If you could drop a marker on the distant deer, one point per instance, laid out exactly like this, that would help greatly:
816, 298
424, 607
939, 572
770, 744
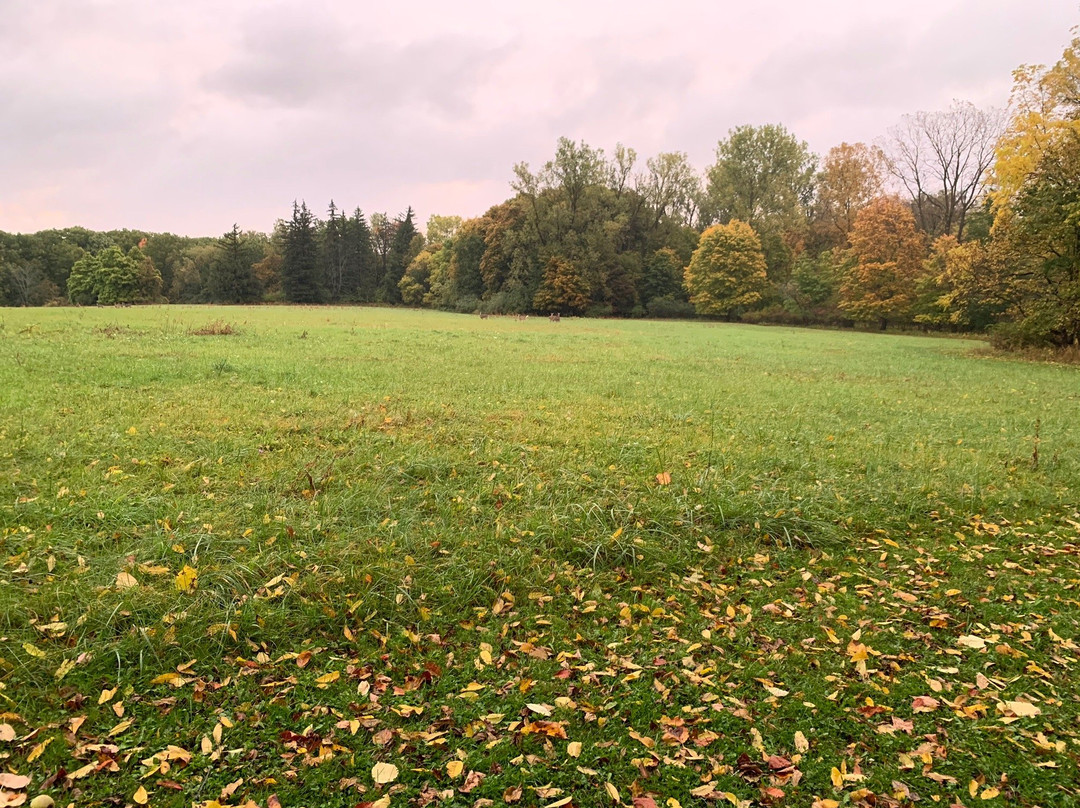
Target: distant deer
522, 317
484, 315
555, 317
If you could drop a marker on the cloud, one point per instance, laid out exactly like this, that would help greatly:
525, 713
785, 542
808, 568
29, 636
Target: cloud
295, 61
188, 117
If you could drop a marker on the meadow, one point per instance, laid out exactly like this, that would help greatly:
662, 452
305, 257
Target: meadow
284, 556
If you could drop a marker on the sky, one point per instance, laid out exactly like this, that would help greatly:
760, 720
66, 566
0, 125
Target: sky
188, 117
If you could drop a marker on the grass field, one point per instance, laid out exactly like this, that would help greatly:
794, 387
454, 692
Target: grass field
362, 556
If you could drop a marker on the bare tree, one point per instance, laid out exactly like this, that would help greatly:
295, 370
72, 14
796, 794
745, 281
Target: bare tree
941, 159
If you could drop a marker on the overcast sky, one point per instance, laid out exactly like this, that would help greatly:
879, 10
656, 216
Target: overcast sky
190, 116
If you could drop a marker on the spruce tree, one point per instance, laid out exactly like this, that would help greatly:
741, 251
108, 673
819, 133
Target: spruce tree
232, 278
300, 264
359, 259
400, 255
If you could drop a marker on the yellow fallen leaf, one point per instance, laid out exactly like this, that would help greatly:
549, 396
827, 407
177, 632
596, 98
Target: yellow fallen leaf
454, 769
801, 744
140, 796
327, 679
170, 678
971, 641
1023, 709
542, 709
38, 750
989, 794
612, 792
106, 696
125, 580
837, 778
120, 728
573, 749
33, 650
383, 773
187, 580
7, 733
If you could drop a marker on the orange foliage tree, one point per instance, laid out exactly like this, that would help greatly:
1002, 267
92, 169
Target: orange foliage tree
887, 255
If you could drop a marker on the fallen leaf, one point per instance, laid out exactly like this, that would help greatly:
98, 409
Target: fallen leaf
13, 782
472, 780
140, 796
573, 749
664, 478
801, 744
512, 795
1023, 709
125, 580
542, 709
612, 792
383, 773
187, 580
989, 794
971, 641
454, 769
924, 704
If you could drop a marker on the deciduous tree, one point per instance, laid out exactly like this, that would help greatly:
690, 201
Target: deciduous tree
727, 272
887, 253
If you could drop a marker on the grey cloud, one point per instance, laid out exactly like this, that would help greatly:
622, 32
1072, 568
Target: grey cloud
305, 63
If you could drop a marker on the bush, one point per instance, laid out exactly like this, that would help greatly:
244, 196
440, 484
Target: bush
1031, 332
670, 308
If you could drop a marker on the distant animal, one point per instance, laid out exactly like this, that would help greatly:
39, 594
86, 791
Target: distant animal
555, 317
523, 317
484, 315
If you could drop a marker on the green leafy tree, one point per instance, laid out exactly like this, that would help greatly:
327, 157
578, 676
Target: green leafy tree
764, 176
727, 272
112, 277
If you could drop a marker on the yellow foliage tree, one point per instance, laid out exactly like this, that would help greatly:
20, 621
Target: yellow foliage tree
727, 272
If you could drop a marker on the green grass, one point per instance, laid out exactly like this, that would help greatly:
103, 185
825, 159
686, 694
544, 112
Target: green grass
408, 526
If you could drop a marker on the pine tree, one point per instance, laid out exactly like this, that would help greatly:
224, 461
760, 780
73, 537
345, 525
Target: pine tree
300, 265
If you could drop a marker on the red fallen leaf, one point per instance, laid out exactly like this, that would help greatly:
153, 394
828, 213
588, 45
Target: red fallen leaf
175, 786
778, 763
771, 794
644, 802
870, 710
924, 704
564, 673
664, 478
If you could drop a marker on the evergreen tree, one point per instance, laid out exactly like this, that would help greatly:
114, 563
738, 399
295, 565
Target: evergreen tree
232, 278
360, 281
300, 264
334, 254
400, 256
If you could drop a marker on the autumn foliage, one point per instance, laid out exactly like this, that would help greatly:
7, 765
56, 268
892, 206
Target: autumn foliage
727, 271
887, 252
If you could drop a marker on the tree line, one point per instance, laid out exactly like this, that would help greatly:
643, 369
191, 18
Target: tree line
962, 219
